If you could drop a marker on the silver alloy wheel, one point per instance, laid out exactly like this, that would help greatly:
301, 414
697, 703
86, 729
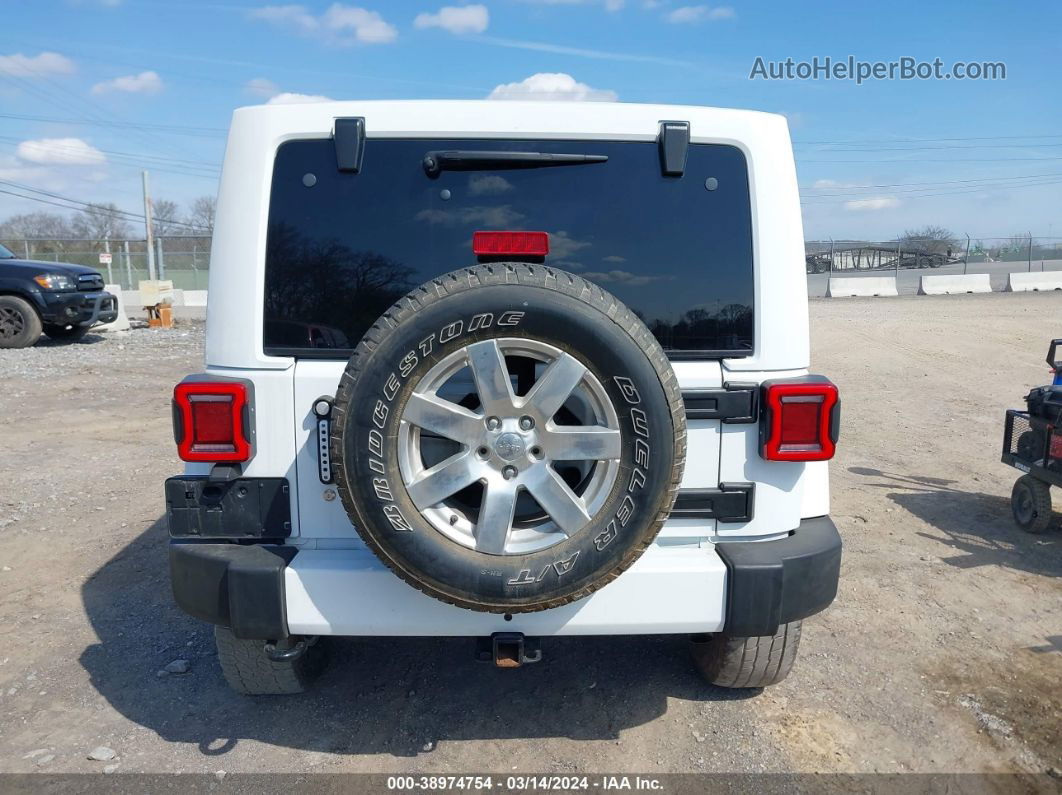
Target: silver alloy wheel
511, 445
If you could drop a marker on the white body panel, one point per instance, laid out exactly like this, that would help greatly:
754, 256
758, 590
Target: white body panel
335, 586
349, 592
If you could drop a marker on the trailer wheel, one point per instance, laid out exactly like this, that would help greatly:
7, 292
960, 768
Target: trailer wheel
1030, 502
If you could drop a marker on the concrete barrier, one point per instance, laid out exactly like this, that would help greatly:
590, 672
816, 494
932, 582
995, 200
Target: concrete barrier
867, 285
1030, 282
955, 284
121, 323
195, 297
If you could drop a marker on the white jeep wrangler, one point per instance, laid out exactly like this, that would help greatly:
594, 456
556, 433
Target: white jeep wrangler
505, 370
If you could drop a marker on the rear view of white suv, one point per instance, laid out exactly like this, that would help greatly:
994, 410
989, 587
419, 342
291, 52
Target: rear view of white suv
505, 371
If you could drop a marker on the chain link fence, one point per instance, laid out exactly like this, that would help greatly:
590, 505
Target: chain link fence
992, 255
183, 259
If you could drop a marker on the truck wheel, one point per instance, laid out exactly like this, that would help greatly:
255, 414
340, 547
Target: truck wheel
727, 661
20, 326
508, 438
1030, 502
65, 333
250, 672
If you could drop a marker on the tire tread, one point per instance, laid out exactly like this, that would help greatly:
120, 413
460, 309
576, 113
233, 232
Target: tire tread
748, 662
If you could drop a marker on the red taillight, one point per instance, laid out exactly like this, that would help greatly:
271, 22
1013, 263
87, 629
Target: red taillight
211, 421
800, 420
510, 244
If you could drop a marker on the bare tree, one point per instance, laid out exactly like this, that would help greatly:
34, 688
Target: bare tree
49, 229
202, 213
166, 217
929, 239
101, 222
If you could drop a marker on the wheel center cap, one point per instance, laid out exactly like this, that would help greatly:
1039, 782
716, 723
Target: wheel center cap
509, 446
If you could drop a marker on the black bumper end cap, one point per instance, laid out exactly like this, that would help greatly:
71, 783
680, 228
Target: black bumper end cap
775, 582
236, 586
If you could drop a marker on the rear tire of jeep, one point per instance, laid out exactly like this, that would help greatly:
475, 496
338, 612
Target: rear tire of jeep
20, 325
508, 438
250, 672
65, 333
754, 662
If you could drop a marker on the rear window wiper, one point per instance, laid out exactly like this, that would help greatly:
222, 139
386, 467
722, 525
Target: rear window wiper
458, 160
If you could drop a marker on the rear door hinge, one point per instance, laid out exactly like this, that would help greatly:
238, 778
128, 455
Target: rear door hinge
731, 502
733, 404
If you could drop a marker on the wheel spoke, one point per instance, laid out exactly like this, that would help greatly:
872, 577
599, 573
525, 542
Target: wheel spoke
557, 499
492, 377
581, 443
495, 518
432, 413
555, 385
444, 479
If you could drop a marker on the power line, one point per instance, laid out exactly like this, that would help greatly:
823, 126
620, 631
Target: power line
940, 182
198, 164
932, 160
162, 128
77, 204
928, 140
865, 197
930, 187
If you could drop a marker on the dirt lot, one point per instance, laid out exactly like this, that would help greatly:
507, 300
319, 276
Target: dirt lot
943, 651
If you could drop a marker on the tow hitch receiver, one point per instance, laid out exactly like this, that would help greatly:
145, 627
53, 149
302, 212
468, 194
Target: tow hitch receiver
508, 649
288, 649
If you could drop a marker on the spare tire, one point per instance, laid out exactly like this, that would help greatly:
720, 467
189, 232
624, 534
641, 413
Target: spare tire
508, 438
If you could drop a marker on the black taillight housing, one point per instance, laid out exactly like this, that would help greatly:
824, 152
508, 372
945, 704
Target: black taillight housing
213, 419
801, 419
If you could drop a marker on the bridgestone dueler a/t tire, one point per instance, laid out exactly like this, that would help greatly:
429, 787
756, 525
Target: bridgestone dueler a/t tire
727, 661
532, 302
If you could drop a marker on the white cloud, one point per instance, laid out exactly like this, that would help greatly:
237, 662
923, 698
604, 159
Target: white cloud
60, 151
610, 5
262, 87
552, 86
292, 15
143, 83
340, 24
289, 98
500, 217
874, 203
456, 19
622, 277
488, 185
46, 63
367, 27
563, 245
693, 14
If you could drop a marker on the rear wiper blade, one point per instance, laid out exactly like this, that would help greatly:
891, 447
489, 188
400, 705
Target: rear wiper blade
458, 160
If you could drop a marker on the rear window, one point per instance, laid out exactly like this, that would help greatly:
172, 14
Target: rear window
343, 247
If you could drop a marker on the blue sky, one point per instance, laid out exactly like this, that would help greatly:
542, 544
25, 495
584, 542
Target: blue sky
117, 85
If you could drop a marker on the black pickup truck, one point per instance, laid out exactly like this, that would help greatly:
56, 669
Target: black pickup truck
60, 300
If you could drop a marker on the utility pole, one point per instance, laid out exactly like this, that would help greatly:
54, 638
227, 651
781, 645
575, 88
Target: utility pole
149, 239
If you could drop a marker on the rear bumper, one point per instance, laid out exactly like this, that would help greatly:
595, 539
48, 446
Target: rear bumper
744, 588
775, 582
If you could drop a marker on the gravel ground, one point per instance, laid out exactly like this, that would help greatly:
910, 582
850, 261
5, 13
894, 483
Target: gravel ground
943, 652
